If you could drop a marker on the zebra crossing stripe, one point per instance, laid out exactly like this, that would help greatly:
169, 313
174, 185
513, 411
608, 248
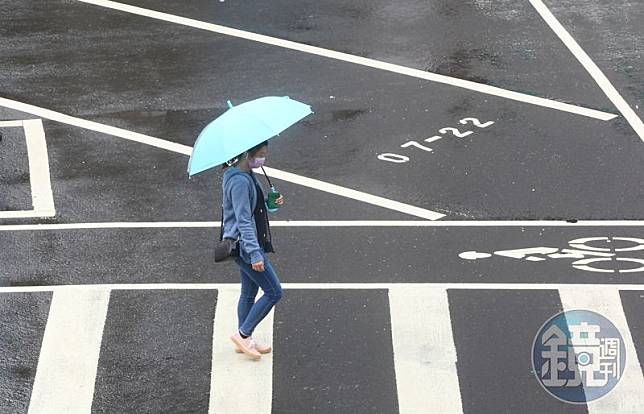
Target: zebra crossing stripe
237, 384
424, 352
66, 372
627, 397
422, 339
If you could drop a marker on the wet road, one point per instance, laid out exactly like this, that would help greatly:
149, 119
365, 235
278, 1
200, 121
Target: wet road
311, 254
355, 347
167, 81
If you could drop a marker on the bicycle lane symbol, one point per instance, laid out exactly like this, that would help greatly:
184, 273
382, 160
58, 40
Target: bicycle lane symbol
590, 253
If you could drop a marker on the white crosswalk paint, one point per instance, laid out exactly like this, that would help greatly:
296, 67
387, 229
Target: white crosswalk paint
627, 396
330, 285
71, 345
423, 344
424, 352
239, 384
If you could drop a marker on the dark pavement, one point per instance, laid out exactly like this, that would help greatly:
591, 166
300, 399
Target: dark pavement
303, 255
168, 81
334, 348
156, 343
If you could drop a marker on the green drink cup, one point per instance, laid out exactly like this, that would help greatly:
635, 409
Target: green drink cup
270, 203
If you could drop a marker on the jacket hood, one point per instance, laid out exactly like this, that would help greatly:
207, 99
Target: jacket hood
230, 172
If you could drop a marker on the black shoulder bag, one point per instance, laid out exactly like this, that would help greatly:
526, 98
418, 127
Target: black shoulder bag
225, 248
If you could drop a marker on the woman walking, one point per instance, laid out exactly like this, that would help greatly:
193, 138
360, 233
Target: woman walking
245, 216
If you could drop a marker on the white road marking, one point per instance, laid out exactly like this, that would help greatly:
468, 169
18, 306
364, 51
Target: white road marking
424, 352
69, 353
71, 344
345, 57
6, 124
186, 150
95, 126
325, 223
591, 68
326, 286
627, 396
353, 194
41, 193
239, 385
586, 256
16, 214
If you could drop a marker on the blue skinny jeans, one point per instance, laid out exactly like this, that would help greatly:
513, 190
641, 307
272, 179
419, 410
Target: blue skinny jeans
249, 312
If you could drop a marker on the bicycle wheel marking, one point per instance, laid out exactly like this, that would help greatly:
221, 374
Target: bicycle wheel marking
588, 253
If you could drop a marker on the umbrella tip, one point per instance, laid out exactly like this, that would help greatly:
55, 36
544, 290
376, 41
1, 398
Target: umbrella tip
230, 104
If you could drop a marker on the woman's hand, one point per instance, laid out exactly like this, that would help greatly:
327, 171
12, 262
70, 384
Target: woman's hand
280, 201
258, 267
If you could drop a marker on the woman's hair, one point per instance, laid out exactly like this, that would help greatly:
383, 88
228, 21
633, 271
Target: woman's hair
235, 160
257, 147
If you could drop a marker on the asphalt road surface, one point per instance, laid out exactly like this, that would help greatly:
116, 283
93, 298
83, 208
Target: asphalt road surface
466, 175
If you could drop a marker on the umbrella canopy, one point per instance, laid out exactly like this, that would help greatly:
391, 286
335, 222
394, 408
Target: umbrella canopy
242, 127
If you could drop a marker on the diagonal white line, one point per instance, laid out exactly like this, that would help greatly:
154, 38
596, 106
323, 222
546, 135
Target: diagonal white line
591, 68
186, 150
345, 57
354, 194
95, 126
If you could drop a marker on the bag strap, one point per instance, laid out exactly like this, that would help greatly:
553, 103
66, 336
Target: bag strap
268, 227
221, 227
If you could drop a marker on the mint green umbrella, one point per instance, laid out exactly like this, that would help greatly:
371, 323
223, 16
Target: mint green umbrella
242, 127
